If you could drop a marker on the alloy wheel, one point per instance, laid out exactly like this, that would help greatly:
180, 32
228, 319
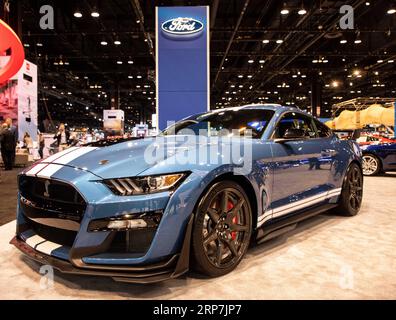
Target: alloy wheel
226, 228
370, 165
355, 185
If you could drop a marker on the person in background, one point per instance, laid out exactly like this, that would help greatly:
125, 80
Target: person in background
14, 133
41, 142
8, 146
28, 142
62, 137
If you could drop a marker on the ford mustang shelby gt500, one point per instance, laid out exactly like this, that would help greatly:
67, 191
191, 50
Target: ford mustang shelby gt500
106, 209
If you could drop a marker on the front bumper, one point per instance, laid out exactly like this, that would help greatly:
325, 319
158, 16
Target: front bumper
172, 267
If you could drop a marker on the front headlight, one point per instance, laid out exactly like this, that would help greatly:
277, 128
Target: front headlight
145, 185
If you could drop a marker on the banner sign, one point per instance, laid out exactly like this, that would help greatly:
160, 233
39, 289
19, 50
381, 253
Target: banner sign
182, 62
18, 99
113, 122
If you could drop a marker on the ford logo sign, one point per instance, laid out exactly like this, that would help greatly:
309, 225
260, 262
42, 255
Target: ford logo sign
182, 26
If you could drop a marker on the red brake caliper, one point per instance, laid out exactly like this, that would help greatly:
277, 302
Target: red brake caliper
234, 220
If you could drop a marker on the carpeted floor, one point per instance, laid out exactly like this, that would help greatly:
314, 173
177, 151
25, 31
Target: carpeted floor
326, 257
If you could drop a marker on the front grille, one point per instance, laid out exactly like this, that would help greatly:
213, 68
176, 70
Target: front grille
52, 209
52, 198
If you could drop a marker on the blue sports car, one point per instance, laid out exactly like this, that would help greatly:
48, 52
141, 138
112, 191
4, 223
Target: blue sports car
379, 158
194, 197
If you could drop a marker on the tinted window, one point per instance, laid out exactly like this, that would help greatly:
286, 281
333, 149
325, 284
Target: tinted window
323, 130
223, 123
295, 120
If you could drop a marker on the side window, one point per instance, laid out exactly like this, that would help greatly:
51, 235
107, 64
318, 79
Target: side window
295, 120
323, 130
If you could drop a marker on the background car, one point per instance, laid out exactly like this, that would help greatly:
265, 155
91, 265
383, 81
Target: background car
378, 158
106, 210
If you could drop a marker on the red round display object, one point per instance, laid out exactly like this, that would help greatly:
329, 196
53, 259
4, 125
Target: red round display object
10, 41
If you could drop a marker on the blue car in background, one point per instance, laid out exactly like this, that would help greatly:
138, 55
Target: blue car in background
194, 197
378, 158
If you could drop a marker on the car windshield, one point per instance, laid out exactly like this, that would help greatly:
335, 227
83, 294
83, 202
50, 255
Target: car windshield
223, 123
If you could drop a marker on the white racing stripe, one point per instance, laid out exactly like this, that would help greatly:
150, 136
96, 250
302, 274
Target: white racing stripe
59, 154
303, 203
47, 247
52, 164
74, 155
38, 167
49, 170
40, 244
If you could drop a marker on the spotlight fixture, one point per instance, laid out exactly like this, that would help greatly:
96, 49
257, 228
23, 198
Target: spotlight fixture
130, 62
117, 42
302, 10
284, 10
335, 84
343, 41
251, 61
279, 41
266, 41
262, 61
77, 14
103, 43
119, 62
95, 13
392, 9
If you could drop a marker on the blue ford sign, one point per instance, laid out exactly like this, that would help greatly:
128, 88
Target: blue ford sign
182, 26
182, 63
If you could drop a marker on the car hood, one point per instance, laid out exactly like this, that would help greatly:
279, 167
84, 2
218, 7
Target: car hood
130, 158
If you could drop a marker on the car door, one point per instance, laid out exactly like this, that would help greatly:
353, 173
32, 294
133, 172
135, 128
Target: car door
301, 166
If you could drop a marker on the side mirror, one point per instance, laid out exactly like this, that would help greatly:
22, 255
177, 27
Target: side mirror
292, 134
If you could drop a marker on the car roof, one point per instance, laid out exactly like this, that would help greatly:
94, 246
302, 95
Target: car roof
268, 106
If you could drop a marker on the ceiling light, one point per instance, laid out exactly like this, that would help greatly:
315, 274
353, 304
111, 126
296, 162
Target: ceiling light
380, 61
139, 77
302, 11
250, 61
391, 11
367, 3
284, 10
103, 43
335, 84
391, 61
26, 45
240, 76
266, 41
39, 44
279, 41
119, 62
77, 14
130, 77
358, 41
95, 14
343, 41
117, 42
130, 62
261, 61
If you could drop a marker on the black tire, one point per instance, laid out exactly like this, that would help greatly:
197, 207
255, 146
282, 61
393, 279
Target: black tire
371, 165
352, 192
222, 229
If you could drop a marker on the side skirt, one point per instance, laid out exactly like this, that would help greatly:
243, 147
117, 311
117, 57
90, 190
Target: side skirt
277, 226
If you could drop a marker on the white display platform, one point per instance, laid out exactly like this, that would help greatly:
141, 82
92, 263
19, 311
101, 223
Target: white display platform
326, 257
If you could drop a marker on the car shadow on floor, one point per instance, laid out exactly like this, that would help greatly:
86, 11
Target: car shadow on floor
87, 286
